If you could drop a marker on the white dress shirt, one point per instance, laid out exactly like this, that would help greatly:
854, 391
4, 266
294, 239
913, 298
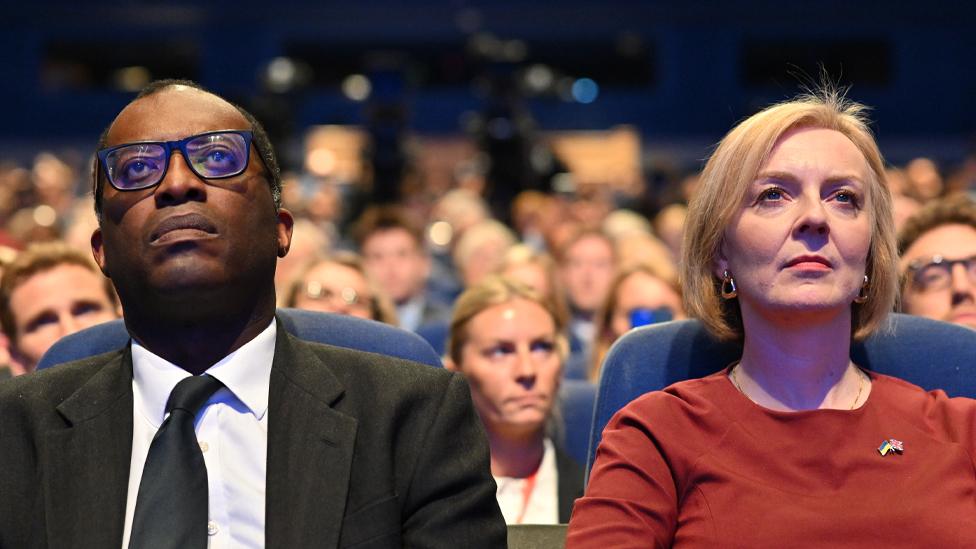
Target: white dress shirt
410, 315
542, 504
232, 429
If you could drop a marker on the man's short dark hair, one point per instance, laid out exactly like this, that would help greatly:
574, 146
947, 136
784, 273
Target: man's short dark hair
954, 210
37, 259
261, 141
385, 218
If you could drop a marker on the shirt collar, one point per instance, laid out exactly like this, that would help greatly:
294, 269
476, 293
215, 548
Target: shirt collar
246, 373
411, 313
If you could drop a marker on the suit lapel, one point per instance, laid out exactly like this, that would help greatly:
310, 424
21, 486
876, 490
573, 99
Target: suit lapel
87, 464
310, 449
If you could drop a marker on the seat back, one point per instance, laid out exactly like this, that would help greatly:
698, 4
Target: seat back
536, 536
928, 353
576, 398
332, 329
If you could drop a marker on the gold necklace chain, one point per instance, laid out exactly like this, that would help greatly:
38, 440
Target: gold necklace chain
860, 385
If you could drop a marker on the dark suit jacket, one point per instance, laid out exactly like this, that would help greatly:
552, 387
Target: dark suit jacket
363, 450
570, 484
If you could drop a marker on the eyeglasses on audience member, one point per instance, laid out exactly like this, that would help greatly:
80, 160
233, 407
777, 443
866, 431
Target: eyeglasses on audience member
348, 296
936, 275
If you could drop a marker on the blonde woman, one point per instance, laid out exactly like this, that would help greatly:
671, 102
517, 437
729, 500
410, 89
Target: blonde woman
790, 248
508, 342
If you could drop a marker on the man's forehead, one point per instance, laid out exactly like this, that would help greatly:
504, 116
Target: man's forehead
950, 240
174, 113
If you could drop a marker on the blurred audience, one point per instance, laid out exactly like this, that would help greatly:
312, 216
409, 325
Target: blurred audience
395, 257
669, 225
938, 261
506, 338
308, 241
644, 249
536, 270
639, 295
481, 250
339, 284
46, 293
923, 179
586, 268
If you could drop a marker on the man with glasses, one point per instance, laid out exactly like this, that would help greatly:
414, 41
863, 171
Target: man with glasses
938, 261
215, 427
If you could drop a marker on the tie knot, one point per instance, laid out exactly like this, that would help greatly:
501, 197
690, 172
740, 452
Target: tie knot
190, 393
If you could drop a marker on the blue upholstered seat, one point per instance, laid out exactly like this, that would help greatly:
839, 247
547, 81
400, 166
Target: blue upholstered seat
576, 398
928, 353
338, 330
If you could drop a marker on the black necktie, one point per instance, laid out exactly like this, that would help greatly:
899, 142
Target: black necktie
171, 509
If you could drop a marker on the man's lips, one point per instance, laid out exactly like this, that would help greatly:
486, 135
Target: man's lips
186, 226
809, 262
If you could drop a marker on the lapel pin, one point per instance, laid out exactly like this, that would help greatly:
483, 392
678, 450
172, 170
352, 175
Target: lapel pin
891, 445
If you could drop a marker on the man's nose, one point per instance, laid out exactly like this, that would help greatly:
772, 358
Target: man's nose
68, 323
963, 285
181, 184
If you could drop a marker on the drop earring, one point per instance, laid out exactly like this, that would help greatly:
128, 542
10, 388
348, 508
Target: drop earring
862, 294
729, 291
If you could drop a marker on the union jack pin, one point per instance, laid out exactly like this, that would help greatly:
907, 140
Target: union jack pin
891, 445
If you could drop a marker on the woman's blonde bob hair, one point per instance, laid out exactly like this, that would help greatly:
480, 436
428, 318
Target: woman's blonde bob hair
725, 180
496, 290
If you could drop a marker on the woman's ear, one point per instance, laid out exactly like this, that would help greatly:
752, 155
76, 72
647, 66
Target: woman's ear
721, 263
450, 365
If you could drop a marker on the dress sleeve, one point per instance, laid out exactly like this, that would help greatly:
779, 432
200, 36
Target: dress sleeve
631, 498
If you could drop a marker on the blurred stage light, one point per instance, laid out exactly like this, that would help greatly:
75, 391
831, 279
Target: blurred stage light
500, 128
280, 75
131, 79
440, 234
585, 90
357, 87
538, 78
45, 216
514, 51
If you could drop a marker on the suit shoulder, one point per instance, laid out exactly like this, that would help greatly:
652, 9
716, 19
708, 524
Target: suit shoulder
356, 368
54, 384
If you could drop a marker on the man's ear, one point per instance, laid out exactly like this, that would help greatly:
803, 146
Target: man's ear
98, 250
286, 222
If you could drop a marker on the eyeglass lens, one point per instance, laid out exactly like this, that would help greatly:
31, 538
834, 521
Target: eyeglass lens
210, 156
937, 275
349, 296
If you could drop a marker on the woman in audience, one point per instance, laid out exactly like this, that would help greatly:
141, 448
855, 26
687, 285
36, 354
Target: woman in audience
508, 342
338, 284
639, 295
790, 249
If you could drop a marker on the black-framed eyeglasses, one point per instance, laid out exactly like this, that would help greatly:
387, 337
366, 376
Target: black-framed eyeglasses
210, 155
936, 274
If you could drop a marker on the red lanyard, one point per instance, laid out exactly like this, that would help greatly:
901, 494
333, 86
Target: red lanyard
527, 489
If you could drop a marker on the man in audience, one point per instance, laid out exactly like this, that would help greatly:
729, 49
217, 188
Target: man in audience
341, 447
938, 261
48, 292
395, 257
587, 266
